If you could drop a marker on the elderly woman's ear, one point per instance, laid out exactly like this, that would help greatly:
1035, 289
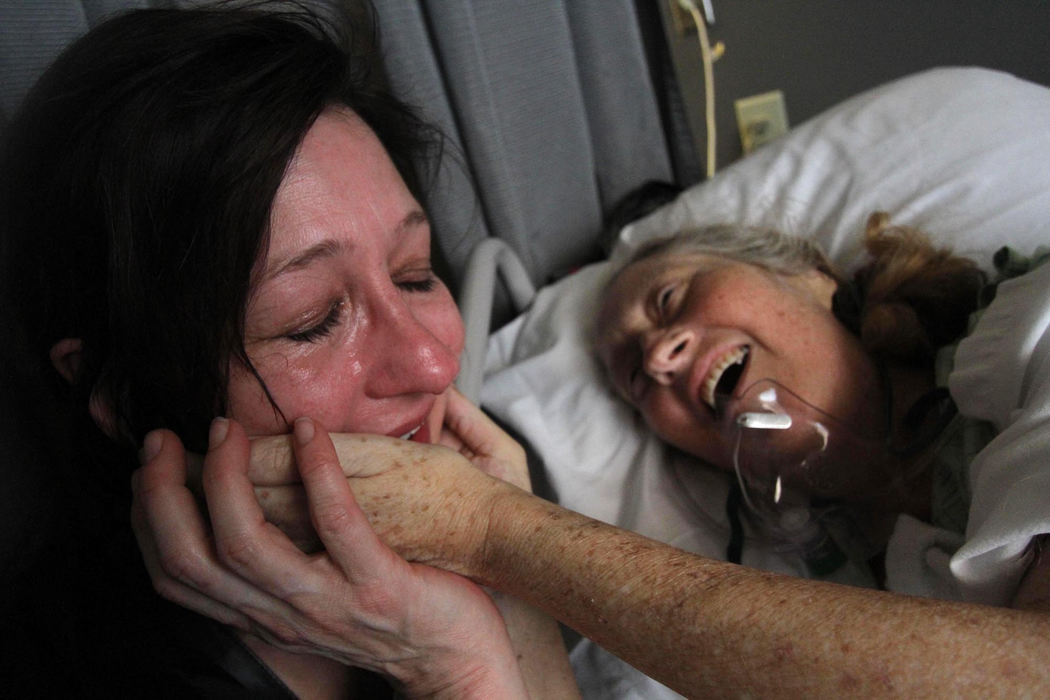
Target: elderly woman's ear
820, 284
66, 357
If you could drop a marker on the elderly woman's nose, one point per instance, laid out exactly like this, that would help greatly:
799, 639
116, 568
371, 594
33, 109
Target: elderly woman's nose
667, 353
412, 358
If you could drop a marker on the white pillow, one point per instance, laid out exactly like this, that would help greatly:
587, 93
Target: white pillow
961, 153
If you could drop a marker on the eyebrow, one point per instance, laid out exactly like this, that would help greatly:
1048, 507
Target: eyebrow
414, 218
324, 249
329, 248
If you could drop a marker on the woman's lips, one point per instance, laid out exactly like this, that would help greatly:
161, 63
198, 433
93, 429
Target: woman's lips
424, 426
414, 429
419, 433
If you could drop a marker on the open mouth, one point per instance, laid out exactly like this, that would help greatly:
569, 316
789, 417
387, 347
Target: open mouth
721, 381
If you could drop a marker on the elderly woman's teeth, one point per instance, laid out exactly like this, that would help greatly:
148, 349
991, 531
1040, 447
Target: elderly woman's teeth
733, 362
410, 433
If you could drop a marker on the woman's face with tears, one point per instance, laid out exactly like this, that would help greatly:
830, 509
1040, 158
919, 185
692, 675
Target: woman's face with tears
346, 321
681, 334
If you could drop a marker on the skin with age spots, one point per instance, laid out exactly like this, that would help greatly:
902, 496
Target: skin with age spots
669, 322
702, 626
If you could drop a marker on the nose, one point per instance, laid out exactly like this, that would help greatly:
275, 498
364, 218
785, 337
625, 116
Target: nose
667, 354
411, 357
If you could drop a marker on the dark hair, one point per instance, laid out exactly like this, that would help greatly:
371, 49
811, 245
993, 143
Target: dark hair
138, 180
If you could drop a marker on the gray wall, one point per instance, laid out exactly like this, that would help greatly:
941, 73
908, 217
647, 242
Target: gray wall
819, 52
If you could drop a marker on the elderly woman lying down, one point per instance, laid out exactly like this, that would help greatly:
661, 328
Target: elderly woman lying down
828, 398
758, 358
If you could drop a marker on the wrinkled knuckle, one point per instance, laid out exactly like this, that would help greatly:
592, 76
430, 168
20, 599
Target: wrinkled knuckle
167, 588
149, 492
213, 479
240, 551
332, 519
379, 601
180, 566
318, 464
286, 636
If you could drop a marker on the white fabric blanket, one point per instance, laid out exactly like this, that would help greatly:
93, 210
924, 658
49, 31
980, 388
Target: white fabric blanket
1002, 375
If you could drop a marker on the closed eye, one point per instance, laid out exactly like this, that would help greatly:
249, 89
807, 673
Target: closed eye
322, 329
418, 286
663, 301
416, 278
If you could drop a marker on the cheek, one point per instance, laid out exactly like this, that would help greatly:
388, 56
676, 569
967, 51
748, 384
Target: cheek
247, 403
325, 385
699, 436
849, 385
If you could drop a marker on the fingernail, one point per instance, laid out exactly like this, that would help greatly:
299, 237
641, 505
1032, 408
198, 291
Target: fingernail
150, 446
304, 430
217, 433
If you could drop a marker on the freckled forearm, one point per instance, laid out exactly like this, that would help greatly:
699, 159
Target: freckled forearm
699, 625
613, 586
707, 627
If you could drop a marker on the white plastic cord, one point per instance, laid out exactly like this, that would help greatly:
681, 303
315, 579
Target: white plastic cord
489, 256
707, 59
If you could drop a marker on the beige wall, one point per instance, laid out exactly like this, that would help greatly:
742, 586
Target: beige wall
819, 52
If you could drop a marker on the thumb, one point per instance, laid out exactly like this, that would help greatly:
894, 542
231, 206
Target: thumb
483, 442
467, 428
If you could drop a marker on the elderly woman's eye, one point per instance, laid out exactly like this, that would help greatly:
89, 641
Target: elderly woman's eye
663, 299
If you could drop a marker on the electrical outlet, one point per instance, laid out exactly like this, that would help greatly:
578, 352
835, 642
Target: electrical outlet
761, 118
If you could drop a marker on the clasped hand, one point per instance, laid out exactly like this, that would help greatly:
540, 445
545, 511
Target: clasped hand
357, 600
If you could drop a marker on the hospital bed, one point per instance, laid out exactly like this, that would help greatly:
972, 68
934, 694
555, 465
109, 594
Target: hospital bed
555, 111
960, 153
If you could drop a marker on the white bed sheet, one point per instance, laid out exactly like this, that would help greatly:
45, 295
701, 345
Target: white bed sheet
962, 153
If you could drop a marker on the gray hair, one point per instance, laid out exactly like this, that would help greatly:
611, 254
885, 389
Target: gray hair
754, 245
